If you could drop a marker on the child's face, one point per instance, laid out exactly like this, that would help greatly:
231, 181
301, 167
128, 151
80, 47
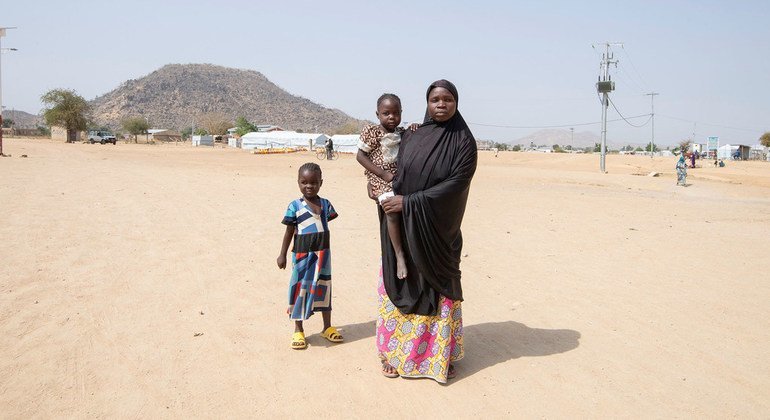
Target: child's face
309, 183
389, 113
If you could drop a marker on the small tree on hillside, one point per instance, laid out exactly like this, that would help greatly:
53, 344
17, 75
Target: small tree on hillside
136, 126
243, 126
765, 139
216, 123
67, 109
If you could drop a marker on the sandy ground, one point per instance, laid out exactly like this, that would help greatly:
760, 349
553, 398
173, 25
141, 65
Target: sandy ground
587, 294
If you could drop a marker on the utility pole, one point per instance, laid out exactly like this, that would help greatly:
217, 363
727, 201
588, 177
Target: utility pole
652, 96
2, 34
572, 139
605, 85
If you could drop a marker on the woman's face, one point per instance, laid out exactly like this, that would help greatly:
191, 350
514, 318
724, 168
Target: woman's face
441, 104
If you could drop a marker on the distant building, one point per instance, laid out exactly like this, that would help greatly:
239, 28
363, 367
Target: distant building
60, 133
159, 134
484, 144
266, 128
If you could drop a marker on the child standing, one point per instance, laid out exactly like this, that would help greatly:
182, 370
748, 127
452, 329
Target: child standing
377, 152
306, 221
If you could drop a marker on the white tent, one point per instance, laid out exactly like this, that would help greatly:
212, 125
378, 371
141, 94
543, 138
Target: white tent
346, 143
729, 151
280, 139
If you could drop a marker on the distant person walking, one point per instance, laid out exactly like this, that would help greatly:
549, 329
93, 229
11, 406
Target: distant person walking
681, 171
329, 148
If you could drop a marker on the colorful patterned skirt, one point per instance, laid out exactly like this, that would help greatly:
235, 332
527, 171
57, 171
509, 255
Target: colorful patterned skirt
419, 346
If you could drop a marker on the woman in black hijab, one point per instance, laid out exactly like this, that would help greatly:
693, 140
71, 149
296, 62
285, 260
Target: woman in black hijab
419, 330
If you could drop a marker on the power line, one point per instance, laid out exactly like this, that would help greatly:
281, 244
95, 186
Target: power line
622, 47
753, 130
624, 118
554, 126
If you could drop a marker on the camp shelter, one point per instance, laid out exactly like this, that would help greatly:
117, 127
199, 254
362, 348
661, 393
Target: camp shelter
202, 140
734, 151
280, 139
160, 134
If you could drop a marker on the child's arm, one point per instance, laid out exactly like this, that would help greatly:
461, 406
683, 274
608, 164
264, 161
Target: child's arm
363, 158
287, 236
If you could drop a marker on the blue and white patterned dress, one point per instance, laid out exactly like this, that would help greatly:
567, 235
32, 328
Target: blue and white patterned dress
311, 275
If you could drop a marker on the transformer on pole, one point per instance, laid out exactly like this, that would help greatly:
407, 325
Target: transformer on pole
605, 85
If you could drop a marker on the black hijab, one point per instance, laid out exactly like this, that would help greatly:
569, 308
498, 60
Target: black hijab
435, 167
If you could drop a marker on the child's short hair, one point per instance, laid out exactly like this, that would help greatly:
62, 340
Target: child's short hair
312, 167
391, 96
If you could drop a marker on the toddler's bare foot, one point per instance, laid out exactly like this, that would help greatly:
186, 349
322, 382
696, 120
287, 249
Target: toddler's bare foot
401, 266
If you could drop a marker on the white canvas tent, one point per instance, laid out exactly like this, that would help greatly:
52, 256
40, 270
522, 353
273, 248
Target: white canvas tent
280, 139
345, 143
728, 151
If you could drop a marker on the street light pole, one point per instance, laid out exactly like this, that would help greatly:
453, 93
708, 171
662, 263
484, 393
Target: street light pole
652, 116
2, 34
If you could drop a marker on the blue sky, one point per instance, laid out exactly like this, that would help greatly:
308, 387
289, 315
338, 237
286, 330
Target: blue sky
516, 64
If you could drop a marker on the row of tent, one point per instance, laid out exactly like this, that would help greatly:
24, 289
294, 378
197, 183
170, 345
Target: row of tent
345, 143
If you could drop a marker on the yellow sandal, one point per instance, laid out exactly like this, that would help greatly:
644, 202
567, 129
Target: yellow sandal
298, 341
332, 335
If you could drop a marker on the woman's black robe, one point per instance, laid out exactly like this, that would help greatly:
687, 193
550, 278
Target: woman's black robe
435, 168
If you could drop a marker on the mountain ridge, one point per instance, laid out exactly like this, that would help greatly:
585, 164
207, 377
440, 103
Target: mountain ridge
176, 96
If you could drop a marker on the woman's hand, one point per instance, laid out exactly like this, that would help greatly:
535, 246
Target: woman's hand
414, 126
370, 191
393, 204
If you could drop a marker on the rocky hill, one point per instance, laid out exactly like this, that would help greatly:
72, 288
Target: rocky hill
22, 119
176, 94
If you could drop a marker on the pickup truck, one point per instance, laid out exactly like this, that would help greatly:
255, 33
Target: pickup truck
101, 137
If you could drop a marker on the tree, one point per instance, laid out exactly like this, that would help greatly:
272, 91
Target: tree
501, 146
67, 109
654, 147
597, 147
684, 145
516, 148
557, 149
243, 126
765, 139
135, 126
8, 123
216, 123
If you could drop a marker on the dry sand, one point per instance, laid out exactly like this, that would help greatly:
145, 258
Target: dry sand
587, 294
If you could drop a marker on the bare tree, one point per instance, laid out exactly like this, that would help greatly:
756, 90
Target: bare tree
216, 123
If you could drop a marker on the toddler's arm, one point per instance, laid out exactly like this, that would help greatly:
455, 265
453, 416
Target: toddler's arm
363, 158
287, 236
